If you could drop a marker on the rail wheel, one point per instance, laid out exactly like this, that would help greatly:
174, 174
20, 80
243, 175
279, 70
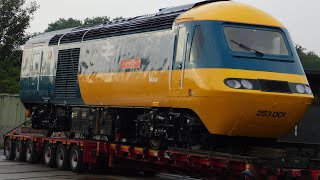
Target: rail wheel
9, 149
20, 151
76, 159
157, 142
49, 158
31, 152
62, 157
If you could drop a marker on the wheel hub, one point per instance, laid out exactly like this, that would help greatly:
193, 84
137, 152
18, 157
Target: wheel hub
74, 160
60, 157
48, 155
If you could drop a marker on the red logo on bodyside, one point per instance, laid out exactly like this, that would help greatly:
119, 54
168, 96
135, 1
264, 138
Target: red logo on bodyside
130, 64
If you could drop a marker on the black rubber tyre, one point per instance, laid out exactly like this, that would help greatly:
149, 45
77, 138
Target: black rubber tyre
9, 152
62, 157
20, 151
49, 155
76, 159
31, 152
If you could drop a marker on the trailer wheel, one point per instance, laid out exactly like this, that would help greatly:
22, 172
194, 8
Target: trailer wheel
20, 151
76, 159
62, 157
9, 149
49, 158
31, 152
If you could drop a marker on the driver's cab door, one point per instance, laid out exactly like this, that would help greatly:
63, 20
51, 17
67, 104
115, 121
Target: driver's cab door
178, 61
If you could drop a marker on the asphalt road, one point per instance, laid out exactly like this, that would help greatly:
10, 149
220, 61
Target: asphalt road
10, 170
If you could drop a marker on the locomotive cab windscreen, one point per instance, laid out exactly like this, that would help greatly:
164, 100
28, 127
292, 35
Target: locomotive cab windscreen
262, 42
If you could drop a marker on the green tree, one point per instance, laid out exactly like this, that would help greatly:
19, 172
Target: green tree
118, 18
310, 60
96, 20
15, 16
10, 73
71, 23
63, 24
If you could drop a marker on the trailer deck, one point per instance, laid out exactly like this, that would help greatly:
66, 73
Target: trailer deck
203, 164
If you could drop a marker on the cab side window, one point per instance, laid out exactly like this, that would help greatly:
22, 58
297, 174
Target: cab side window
197, 45
180, 48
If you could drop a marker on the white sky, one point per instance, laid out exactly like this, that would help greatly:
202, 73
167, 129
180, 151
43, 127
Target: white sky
300, 17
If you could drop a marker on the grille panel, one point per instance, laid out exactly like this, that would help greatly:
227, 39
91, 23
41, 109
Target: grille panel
275, 86
67, 73
55, 40
72, 37
136, 25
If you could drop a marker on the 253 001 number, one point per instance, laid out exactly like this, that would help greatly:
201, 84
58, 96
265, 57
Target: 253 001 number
271, 114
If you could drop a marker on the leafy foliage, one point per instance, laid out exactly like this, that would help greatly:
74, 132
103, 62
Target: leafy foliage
10, 73
71, 23
118, 18
14, 20
310, 60
15, 16
63, 24
96, 20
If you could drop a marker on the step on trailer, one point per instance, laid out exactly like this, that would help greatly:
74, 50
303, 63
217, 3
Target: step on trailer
79, 155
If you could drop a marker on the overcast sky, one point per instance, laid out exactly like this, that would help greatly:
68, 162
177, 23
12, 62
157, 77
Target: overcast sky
300, 17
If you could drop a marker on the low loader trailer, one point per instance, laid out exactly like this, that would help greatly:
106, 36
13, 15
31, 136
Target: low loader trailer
80, 155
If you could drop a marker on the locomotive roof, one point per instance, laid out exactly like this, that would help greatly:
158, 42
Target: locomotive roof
164, 19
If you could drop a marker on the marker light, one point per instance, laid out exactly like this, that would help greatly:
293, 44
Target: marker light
234, 84
246, 84
308, 89
300, 88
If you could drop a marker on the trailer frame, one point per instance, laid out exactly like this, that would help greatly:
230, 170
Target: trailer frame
195, 164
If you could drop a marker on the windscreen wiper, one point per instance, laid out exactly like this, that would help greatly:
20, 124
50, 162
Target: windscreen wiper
258, 53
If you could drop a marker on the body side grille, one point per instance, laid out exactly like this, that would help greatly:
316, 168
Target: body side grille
66, 82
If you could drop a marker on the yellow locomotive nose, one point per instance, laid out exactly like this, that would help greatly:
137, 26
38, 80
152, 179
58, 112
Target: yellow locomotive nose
262, 114
234, 110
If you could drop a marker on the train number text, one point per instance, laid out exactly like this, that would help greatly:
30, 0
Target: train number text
271, 114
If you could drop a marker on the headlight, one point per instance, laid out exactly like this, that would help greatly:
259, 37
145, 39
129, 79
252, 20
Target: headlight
234, 84
246, 84
308, 89
300, 88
